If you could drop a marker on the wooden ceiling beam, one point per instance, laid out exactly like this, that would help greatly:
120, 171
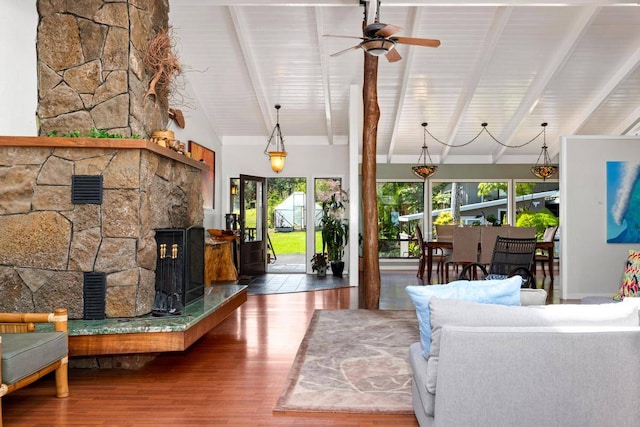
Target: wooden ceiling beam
539, 84
621, 74
242, 33
630, 125
402, 3
407, 62
324, 70
500, 20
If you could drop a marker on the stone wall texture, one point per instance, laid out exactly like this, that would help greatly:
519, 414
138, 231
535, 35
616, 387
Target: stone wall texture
47, 242
90, 66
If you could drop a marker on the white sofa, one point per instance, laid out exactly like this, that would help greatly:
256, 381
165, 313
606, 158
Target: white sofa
556, 365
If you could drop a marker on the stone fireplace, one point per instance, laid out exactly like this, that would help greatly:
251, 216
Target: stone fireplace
47, 242
91, 74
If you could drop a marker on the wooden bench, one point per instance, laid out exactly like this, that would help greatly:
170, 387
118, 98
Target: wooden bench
28, 355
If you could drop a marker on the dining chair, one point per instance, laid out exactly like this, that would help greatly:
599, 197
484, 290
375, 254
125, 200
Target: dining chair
465, 248
487, 242
542, 255
444, 232
521, 232
438, 257
422, 260
511, 256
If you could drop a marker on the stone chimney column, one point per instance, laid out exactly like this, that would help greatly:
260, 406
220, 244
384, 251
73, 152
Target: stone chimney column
90, 66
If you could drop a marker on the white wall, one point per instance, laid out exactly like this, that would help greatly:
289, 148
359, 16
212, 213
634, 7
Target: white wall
303, 161
356, 118
590, 265
198, 129
317, 161
18, 75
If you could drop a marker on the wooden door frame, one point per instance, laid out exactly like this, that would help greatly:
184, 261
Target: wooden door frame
263, 240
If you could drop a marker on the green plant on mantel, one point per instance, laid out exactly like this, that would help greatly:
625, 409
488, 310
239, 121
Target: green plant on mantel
93, 133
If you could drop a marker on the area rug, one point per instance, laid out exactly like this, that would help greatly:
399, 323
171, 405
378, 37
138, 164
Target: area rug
353, 361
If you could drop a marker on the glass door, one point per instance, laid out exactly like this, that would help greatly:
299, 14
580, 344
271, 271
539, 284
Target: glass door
253, 235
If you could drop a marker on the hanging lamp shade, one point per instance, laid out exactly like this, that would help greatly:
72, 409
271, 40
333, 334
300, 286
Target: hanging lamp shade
275, 146
545, 169
277, 160
424, 170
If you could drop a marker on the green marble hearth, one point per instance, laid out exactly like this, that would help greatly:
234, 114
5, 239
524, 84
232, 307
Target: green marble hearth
148, 333
195, 311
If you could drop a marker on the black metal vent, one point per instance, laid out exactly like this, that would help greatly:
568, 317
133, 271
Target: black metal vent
95, 288
86, 189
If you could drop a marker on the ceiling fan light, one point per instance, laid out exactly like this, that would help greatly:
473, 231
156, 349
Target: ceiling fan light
377, 47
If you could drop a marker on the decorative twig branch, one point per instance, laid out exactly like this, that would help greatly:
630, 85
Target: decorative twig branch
160, 58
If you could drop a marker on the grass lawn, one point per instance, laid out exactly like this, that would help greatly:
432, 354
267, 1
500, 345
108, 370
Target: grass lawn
293, 242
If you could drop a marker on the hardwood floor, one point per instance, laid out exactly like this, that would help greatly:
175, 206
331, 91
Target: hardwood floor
231, 377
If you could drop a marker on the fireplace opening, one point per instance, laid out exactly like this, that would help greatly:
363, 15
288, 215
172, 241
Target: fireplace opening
179, 269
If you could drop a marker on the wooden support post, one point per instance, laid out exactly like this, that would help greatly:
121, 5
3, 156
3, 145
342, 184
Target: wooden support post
369, 194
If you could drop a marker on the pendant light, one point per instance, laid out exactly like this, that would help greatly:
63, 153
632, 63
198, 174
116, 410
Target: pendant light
278, 153
545, 169
424, 170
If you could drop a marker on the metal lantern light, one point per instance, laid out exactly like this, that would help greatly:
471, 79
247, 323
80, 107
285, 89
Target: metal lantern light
424, 170
545, 169
278, 154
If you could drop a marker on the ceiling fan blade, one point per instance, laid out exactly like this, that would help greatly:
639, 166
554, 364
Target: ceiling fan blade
345, 50
393, 56
388, 30
343, 37
417, 41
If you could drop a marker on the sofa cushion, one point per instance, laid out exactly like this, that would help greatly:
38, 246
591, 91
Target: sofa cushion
630, 278
505, 292
422, 397
529, 296
26, 353
445, 312
635, 302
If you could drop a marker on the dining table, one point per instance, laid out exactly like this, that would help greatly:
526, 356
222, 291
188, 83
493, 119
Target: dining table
442, 245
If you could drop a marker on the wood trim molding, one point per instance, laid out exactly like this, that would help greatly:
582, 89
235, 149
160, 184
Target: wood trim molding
59, 142
153, 342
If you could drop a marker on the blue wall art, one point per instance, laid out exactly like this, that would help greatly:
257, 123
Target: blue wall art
623, 202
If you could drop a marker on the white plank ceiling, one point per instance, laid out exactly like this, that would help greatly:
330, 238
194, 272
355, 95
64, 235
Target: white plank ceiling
511, 64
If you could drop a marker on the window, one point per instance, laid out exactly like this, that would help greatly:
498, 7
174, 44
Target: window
234, 195
469, 203
400, 209
537, 205
324, 188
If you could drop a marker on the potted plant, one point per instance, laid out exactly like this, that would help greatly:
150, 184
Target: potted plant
319, 263
335, 233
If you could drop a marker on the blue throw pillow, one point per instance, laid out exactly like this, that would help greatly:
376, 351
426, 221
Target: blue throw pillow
505, 292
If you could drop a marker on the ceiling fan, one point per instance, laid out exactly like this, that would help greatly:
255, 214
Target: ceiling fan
378, 37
